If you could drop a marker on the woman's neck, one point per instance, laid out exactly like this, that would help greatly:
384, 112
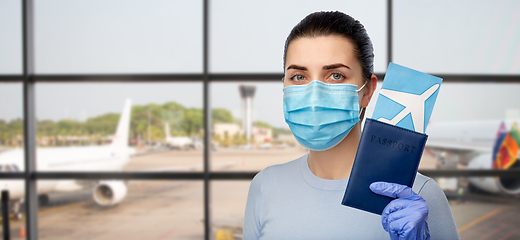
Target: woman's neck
336, 162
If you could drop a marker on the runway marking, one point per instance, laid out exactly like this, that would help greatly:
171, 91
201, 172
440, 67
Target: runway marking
498, 229
166, 235
510, 234
487, 225
480, 219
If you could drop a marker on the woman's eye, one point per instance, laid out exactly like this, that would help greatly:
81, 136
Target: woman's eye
298, 78
336, 76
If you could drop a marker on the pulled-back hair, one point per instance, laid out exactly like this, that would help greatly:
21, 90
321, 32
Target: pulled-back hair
336, 23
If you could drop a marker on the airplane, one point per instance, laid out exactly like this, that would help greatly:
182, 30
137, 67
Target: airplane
414, 105
472, 143
180, 142
111, 157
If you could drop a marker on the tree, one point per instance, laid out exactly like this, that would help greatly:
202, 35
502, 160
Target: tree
193, 121
104, 125
183, 122
262, 124
221, 115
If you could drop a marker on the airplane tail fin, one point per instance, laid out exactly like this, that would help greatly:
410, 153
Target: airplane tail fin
501, 135
123, 128
167, 130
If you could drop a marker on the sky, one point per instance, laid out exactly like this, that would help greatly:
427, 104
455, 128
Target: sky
163, 36
91, 99
455, 102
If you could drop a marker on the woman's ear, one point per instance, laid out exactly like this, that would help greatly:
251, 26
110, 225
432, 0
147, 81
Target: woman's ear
369, 92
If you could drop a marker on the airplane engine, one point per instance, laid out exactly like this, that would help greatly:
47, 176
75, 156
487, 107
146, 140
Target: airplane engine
487, 184
510, 185
109, 193
506, 185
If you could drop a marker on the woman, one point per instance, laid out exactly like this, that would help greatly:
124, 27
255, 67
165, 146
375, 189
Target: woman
328, 83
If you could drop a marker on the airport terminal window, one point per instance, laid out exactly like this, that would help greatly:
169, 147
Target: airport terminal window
455, 38
255, 44
17, 223
462, 103
11, 121
470, 97
165, 128
9, 168
11, 37
462, 135
228, 199
249, 132
139, 209
118, 36
148, 66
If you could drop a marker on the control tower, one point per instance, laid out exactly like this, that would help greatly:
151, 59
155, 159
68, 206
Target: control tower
247, 93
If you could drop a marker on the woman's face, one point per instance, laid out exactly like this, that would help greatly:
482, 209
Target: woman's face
330, 59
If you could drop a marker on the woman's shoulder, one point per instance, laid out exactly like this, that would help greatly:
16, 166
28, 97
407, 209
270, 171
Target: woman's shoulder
280, 171
425, 186
420, 182
440, 218
284, 167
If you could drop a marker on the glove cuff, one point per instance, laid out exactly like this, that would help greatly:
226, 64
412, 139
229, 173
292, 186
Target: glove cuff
426, 231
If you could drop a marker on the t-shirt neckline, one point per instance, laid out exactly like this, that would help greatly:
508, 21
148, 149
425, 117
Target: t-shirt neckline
320, 183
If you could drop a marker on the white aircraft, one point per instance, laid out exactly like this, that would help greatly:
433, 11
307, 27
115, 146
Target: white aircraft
473, 142
414, 105
111, 157
178, 142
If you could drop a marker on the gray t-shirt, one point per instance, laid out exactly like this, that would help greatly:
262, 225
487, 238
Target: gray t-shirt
288, 201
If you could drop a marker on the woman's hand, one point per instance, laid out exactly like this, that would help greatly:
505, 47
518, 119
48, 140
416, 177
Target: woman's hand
405, 217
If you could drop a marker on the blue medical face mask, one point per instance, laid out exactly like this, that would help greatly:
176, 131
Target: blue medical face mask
320, 115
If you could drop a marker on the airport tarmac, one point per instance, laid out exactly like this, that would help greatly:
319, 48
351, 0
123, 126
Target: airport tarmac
161, 209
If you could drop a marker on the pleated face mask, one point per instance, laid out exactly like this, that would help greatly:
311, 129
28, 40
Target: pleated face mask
320, 115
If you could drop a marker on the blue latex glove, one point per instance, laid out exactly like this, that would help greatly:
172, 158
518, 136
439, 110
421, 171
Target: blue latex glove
404, 217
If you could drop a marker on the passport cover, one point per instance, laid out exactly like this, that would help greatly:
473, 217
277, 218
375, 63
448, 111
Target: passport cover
385, 153
407, 98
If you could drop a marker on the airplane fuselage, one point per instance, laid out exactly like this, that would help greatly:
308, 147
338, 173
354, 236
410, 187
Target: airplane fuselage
473, 143
91, 158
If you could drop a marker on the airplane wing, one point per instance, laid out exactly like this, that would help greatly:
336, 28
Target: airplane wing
464, 138
456, 147
400, 97
465, 151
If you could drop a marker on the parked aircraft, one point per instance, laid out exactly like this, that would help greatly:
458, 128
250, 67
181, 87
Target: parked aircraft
180, 142
111, 157
473, 142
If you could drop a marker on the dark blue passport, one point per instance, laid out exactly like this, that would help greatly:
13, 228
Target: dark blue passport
385, 153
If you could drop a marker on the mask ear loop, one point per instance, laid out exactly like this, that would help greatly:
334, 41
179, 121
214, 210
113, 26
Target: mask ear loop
362, 87
362, 112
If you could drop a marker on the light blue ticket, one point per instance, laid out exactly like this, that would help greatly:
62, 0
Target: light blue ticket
407, 98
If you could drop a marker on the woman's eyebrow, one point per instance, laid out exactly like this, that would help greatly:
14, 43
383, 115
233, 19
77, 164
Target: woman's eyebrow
334, 66
292, 66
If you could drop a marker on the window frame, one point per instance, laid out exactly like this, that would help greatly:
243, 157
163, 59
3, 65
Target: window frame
30, 176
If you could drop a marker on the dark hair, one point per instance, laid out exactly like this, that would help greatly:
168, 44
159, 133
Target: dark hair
336, 23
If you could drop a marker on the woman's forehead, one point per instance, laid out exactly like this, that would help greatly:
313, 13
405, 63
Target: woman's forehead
322, 50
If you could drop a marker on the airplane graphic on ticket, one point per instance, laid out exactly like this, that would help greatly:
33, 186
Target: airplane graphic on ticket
407, 98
